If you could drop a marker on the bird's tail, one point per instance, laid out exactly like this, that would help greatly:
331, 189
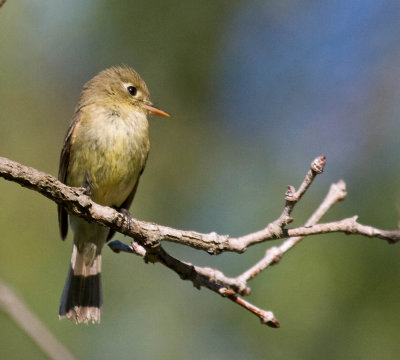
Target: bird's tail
82, 296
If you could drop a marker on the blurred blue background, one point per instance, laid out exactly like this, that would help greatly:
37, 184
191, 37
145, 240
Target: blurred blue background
257, 90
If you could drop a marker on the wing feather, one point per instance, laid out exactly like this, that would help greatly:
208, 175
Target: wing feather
63, 173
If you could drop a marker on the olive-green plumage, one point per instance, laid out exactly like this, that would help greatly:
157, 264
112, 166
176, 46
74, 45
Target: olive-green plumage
105, 151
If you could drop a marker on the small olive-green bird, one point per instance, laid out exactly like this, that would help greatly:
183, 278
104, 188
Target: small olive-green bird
105, 151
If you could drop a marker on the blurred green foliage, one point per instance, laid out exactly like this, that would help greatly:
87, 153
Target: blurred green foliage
335, 296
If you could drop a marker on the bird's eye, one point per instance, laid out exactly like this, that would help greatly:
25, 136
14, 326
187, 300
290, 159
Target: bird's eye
132, 90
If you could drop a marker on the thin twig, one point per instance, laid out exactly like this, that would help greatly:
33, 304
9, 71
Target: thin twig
349, 226
337, 192
274, 230
34, 328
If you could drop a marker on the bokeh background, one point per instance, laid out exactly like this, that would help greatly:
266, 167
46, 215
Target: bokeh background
257, 89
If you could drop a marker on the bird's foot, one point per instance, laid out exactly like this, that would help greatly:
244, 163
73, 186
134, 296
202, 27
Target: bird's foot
86, 186
128, 216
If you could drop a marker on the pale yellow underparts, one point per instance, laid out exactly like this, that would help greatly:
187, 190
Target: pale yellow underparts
109, 150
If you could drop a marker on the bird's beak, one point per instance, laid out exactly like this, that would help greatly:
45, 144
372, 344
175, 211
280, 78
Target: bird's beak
154, 111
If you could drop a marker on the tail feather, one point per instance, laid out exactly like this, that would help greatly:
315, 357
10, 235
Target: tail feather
81, 299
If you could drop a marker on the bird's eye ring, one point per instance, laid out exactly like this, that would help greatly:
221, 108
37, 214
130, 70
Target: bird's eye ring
132, 90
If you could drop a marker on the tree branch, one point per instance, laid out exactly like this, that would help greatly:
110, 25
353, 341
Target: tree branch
147, 237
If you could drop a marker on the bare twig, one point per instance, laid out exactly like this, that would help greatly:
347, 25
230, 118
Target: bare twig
337, 192
348, 226
19, 312
275, 230
292, 196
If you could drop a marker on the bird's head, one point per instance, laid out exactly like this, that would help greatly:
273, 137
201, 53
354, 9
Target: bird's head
121, 86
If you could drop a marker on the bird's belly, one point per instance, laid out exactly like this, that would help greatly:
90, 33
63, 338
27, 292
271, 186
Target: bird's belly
112, 182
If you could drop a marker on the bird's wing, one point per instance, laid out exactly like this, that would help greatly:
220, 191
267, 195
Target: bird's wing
63, 171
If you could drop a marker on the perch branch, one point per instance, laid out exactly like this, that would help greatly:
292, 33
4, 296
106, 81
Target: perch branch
146, 233
148, 236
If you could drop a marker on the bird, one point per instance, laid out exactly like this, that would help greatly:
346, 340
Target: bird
105, 151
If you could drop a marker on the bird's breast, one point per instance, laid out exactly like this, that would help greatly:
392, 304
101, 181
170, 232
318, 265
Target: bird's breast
109, 151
